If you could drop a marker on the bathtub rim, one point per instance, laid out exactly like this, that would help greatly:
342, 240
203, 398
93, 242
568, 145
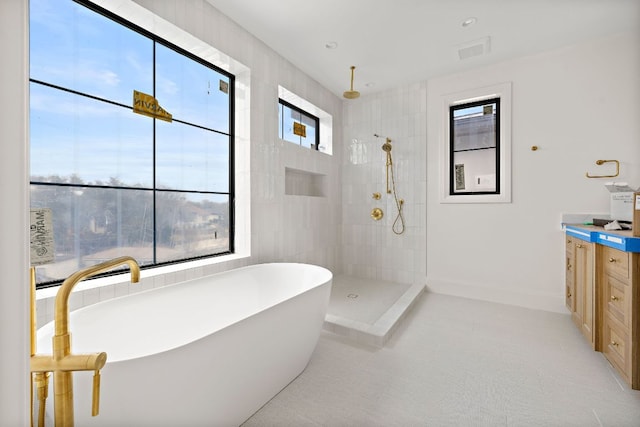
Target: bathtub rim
45, 333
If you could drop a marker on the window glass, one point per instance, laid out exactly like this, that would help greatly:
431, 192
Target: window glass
76, 48
191, 91
310, 123
118, 182
92, 225
92, 140
191, 158
298, 126
191, 224
474, 144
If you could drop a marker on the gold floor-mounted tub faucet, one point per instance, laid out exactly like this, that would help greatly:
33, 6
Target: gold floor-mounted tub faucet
62, 363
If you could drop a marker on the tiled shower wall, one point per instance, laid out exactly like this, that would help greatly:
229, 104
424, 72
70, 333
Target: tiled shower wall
370, 248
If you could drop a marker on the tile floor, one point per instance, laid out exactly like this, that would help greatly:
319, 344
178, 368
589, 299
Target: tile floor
458, 362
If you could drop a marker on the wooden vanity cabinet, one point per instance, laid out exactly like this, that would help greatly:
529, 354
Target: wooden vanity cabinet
580, 297
602, 288
619, 282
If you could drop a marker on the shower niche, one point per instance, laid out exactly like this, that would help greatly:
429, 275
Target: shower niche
303, 183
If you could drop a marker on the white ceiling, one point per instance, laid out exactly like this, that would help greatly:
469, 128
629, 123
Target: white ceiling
394, 42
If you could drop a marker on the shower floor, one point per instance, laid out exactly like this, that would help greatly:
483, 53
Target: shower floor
368, 310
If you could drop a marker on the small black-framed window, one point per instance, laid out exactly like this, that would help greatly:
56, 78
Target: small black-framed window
474, 147
298, 126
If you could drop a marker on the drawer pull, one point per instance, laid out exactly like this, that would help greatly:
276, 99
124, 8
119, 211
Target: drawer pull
613, 343
612, 260
578, 246
614, 298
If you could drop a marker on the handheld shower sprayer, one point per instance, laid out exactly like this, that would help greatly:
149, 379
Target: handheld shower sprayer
386, 147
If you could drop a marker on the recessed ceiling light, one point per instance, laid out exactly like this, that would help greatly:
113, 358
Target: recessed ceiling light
469, 21
331, 45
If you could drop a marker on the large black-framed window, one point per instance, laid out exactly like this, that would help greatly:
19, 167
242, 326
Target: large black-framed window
474, 147
118, 182
298, 126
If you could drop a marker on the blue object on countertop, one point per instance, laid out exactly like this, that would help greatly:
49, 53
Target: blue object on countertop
603, 237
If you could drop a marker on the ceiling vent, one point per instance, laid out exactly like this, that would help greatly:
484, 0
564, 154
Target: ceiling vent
474, 48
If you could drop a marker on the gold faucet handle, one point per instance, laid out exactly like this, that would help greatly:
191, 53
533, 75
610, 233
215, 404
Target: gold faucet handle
101, 360
95, 402
42, 386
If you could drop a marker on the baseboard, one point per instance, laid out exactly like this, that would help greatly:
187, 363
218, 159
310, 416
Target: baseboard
545, 302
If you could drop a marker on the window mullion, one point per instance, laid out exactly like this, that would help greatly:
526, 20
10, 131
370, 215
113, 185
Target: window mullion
155, 192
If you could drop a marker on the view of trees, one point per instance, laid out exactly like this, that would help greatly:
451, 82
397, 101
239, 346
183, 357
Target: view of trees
96, 222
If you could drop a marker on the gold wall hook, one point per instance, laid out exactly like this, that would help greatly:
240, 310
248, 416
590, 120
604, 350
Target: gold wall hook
376, 196
601, 162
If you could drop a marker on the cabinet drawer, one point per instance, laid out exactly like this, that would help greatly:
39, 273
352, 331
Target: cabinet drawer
615, 262
617, 300
617, 347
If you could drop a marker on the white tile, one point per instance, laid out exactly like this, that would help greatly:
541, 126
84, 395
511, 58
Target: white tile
107, 292
90, 296
121, 289
458, 362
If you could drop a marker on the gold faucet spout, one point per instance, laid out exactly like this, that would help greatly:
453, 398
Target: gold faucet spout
62, 363
62, 297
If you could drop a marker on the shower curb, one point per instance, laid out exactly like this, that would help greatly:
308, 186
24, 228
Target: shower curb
381, 331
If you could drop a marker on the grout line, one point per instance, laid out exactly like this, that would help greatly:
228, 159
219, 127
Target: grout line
615, 377
597, 418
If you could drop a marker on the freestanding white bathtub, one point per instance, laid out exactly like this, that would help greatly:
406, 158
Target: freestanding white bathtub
207, 352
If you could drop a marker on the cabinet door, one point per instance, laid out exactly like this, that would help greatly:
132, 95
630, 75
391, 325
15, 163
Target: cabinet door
569, 291
580, 292
585, 281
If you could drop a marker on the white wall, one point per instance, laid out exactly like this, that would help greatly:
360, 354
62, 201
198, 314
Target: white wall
577, 104
14, 287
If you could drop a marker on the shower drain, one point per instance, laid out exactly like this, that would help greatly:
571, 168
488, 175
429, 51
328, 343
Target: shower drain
353, 296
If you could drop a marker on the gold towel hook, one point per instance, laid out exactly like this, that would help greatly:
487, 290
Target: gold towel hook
600, 162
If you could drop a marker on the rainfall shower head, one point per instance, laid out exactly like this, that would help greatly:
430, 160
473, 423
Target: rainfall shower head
351, 94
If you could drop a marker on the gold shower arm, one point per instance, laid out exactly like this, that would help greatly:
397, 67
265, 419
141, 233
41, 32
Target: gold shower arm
600, 162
